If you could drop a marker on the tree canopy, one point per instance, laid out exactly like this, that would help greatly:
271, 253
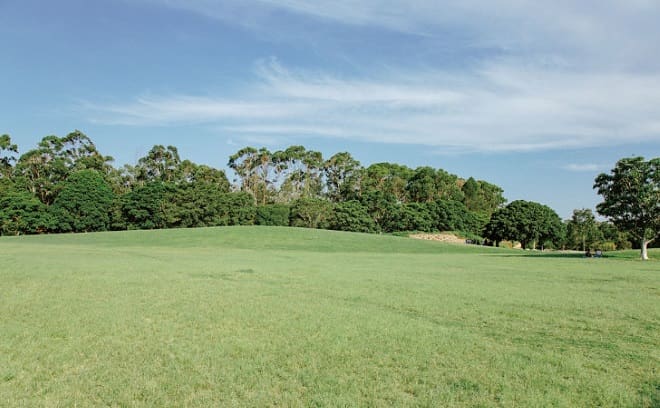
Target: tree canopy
631, 198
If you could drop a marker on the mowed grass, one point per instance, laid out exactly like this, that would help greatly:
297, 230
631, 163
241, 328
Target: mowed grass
256, 316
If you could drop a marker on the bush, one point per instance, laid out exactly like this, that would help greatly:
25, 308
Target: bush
273, 215
607, 246
352, 216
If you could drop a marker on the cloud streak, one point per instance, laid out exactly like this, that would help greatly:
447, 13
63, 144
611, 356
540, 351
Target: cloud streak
498, 107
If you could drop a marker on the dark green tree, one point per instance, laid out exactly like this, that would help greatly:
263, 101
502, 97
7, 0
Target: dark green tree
631, 198
22, 213
84, 203
149, 206
273, 214
352, 216
527, 222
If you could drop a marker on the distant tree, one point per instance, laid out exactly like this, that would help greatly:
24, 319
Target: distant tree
42, 170
7, 158
482, 197
22, 213
255, 171
149, 206
352, 216
84, 203
582, 229
343, 176
302, 173
387, 178
160, 164
631, 198
311, 213
526, 222
273, 214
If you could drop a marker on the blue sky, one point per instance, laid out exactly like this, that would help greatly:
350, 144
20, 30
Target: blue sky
538, 99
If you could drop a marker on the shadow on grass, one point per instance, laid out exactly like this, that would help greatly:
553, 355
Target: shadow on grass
551, 254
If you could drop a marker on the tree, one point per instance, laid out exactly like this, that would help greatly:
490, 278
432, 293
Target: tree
42, 170
352, 216
84, 203
526, 222
343, 176
22, 213
6, 157
255, 170
160, 164
631, 198
311, 213
582, 229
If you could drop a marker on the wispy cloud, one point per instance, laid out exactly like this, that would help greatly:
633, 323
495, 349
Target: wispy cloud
584, 167
590, 32
500, 107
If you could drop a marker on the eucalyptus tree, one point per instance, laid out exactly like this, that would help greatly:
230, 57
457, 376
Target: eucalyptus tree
254, 169
160, 164
7, 156
42, 170
389, 178
343, 177
302, 173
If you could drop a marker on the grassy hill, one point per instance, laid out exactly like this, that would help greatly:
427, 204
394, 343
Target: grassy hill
257, 316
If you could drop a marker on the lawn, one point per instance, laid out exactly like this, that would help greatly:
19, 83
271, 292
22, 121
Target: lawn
258, 316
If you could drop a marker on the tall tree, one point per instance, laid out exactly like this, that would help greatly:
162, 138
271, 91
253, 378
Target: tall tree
160, 164
631, 198
255, 170
42, 170
7, 158
343, 177
583, 229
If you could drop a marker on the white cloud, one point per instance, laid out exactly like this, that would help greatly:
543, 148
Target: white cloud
500, 107
610, 33
584, 167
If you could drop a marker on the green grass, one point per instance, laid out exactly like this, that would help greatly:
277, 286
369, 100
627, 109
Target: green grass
257, 316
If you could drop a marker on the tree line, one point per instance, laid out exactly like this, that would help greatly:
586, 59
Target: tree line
66, 185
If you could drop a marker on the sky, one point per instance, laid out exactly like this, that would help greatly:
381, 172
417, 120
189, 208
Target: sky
536, 98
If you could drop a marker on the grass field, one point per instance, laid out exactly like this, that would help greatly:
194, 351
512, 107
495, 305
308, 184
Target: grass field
256, 316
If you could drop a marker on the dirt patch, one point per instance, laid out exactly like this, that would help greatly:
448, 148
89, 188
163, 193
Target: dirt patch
441, 237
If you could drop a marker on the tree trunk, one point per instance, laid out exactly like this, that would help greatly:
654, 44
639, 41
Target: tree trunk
645, 252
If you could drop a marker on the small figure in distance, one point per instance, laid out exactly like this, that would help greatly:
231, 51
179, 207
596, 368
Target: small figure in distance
588, 254
599, 253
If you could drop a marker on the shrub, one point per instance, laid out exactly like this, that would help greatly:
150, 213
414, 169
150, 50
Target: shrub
273, 215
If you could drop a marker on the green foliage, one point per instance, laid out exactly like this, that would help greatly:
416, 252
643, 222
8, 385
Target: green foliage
237, 209
7, 158
352, 216
147, 207
21, 212
84, 203
311, 213
526, 222
582, 230
631, 198
273, 215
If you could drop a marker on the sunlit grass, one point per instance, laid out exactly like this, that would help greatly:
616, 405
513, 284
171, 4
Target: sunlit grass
290, 317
